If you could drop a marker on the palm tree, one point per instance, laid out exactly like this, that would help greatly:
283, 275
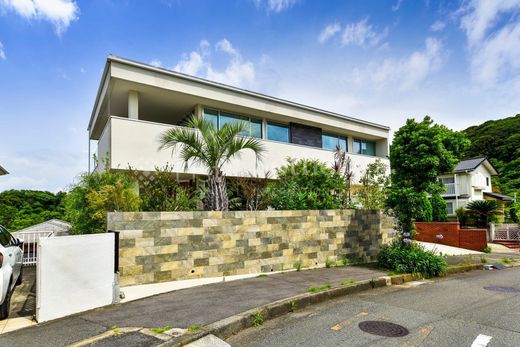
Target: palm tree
483, 209
211, 148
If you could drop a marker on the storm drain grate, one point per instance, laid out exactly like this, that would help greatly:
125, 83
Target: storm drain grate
382, 328
503, 289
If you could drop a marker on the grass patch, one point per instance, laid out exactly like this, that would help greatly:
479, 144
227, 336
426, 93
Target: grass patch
258, 318
483, 259
328, 263
194, 328
298, 265
116, 330
347, 282
294, 306
392, 273
318, 289
506, 261
161, 330
261, 276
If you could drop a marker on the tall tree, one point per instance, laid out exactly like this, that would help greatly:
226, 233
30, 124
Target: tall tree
420, 152
202, 143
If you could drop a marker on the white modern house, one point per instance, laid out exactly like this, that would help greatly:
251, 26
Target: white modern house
137, 102
3, 171
470, 180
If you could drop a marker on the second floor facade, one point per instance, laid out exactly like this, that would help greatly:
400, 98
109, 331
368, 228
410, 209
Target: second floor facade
138, 102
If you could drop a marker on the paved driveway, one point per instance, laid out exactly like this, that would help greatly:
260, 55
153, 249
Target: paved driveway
454, 311
23, 301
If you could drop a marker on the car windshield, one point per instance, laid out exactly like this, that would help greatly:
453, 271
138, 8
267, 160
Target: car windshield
5, 237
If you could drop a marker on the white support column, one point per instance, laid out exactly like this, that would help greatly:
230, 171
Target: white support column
133, 104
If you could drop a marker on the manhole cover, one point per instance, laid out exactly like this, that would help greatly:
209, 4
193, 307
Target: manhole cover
503, 289
383, 328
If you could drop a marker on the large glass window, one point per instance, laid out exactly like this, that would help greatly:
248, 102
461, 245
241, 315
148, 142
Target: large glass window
277, 132
331, 142
254, 126
364, 147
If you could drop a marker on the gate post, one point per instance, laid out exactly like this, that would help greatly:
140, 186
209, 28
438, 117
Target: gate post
491, 232
116, 297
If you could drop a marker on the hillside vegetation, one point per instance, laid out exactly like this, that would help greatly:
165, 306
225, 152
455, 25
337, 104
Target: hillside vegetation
499, 140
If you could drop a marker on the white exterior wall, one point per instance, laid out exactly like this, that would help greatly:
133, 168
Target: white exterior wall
74, 274
136, 143
103, 148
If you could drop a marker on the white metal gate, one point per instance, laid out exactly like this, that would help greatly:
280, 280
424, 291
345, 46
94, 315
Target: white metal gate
30, 244
508, 232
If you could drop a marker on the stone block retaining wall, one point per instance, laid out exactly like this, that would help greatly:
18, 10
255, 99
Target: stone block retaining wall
166, 246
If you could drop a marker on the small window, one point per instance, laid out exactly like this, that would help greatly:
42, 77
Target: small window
449, 208
487, 181
331, 142
212, 116
256, 128
277, 132
226, 118
364, 147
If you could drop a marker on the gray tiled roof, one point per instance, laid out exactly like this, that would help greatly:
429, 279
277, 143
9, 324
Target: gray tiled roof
499, 196
469, 164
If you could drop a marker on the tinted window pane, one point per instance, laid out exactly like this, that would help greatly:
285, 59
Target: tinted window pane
357, 146
329, 142
5, 237
227, 118
364, 147
343, 143
370, 148
277, 132
256, 128
212, 116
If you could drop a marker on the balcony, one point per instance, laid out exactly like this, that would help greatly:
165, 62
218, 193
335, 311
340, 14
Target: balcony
455, 189
450, 189
127, 142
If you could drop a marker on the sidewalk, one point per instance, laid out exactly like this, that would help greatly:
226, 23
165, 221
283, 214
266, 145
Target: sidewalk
186, 307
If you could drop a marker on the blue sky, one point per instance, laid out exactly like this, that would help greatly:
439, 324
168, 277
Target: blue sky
383, 61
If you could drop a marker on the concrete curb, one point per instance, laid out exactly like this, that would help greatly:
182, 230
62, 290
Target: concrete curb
226, 327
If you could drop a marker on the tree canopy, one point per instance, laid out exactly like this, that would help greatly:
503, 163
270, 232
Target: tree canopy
20, 209
499, 140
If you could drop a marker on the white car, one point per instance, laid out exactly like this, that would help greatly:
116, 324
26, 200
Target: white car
11, 257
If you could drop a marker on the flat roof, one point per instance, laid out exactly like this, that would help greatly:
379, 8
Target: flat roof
113, 58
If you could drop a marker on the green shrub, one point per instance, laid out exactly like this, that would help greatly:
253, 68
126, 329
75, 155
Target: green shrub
462, 216
487, 249
306, 185
328, 263
514, 212
411, 259
424, 213
89, 200
439, 209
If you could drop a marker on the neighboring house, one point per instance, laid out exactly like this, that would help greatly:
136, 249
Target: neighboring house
470, 180
136, 103
3, 171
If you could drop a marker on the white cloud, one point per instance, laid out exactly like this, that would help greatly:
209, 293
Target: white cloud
275, 6
397, 5
328, 32
59, 12
438, 25
2, 52
362, 34
405, 73
237, 71
156, 63
493, 33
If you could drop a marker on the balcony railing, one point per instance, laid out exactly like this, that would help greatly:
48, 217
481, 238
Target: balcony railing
450, 189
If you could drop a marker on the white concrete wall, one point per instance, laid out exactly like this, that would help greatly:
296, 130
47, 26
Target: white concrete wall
74, 274
136, 143
103, 148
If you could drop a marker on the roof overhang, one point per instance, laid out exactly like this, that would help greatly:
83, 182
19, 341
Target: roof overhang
105, 81
3, 171
498, 196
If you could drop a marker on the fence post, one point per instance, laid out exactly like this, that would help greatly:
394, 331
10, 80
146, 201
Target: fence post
491, 232
116, 297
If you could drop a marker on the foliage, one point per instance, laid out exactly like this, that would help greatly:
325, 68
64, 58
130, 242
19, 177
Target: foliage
487, 249
347, 282
306, 185
439, 209
194, 328
343, 166
247, 193
94, 195
514, 212
462, 216
499, 140
160, 191
425, 211
318, 289
484, 210
329, 263
411, 259
20, 209
203, 144
374, 186
420, 152
162, 329
298, 265
258, 318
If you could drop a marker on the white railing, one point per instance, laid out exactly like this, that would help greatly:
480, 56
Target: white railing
507, 232
30, 245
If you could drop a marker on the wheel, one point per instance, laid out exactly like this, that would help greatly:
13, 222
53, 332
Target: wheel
19, 279
6, 305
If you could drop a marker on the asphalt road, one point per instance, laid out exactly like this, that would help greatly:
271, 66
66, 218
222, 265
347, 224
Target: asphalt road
453, 311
